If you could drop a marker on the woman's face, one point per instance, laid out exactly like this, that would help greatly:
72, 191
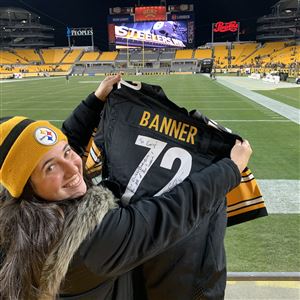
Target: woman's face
58, 176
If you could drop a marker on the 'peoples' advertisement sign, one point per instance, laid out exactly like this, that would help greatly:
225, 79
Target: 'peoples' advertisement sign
79, 31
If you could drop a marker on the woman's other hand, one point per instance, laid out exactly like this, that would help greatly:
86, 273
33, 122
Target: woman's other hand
106, 86
240, 154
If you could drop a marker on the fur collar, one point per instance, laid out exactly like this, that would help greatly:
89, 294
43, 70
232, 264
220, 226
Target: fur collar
88, 214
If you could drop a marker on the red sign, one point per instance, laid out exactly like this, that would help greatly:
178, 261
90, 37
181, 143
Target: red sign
232, 26
111, 33
150, 13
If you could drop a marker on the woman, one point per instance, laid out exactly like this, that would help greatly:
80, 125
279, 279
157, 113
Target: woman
61, 235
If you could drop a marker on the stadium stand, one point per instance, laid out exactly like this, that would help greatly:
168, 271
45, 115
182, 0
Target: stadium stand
72, 56
241, 51
99, 69
108, 56
151, 56
123, 55
78, 70
202, 53
281, 24
8, 57
184, 66
147, 55
262, 52
221, 54
282, 56
53, 56
277, 49
22, 28
29, 55
183, 62
184, 54
89, 56
167, 55
285, 56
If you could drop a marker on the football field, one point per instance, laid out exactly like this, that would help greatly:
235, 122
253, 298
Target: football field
267, 244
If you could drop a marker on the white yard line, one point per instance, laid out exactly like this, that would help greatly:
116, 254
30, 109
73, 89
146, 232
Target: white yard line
89, 81
37, 109
281, 195
29, 79
253, 120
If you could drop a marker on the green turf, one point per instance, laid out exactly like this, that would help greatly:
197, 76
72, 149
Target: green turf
268, 244
275, 139
290, 96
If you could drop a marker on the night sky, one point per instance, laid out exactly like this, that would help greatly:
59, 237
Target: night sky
92, 13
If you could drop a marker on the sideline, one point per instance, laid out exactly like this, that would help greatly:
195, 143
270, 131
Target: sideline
282, 109
29, 79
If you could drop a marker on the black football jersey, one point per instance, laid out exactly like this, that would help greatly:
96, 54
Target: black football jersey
146, 144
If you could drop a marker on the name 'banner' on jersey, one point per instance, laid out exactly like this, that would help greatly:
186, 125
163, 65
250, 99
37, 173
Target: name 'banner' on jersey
169, 127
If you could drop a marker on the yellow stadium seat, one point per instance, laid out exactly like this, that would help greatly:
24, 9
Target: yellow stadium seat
90, 56
108, 56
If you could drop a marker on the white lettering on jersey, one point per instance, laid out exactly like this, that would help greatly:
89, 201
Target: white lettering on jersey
155, 148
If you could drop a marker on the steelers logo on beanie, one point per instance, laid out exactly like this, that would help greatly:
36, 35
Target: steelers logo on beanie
23, 142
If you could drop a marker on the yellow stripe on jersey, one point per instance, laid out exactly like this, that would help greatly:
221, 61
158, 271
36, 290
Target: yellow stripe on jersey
88, 147
244, 191
246, 209
94, 160
244, 204
245, 197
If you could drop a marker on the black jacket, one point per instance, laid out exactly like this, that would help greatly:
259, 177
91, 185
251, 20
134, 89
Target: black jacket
106, 265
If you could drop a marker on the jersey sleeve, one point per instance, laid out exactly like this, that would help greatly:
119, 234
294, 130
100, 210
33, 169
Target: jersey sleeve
80, 125
131, 235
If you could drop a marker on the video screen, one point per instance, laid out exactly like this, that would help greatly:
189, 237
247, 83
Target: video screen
160, 34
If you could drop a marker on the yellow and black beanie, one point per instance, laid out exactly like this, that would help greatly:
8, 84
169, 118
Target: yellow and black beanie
23, 142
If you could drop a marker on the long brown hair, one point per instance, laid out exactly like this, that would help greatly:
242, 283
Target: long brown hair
29, 229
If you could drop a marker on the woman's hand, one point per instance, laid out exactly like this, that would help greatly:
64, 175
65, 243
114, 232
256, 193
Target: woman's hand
106, 86
240, 154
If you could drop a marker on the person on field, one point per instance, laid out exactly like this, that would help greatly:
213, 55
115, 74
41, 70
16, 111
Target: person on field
63, 237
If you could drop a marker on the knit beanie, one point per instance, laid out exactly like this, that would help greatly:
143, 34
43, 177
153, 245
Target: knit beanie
23, 142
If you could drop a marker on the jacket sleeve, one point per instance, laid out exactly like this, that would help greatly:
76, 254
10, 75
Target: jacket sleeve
131, 235
79, 126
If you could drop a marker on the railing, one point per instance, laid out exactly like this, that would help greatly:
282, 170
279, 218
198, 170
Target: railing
263, 276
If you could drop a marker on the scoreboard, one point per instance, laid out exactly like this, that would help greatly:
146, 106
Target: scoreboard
151, 27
